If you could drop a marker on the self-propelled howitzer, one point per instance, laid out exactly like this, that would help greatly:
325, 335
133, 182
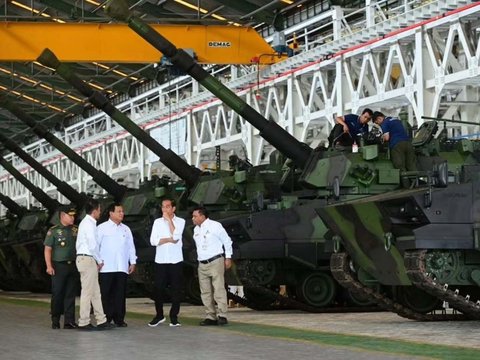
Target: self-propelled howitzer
23, 235
23, 243
423, 241
8, 223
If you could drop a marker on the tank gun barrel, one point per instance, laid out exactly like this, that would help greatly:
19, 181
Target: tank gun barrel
38, 193
110, 185
12, 206
451, 121
297, 151
68, 191
174, 162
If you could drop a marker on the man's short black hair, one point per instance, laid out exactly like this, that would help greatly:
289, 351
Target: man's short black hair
376, 115
172, 202
201, 210
112, 206
92, 204
368, 111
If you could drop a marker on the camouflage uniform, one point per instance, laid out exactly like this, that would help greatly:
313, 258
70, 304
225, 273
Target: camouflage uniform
66, 279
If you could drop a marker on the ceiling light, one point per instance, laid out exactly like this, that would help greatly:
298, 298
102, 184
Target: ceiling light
32, 99
191, 6
95, 85
115, 71
35, 11
218, 17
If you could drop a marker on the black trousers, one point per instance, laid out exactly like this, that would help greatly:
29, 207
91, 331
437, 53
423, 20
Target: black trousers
65, 285
168, 274
113, 286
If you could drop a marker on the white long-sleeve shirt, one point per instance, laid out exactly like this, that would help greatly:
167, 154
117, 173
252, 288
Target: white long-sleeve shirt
211, 239
87, 238
168, 253
116, 247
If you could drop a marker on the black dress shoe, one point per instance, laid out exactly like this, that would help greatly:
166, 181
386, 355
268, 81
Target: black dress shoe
208, 322
222, 320
55, 325
88, 327
70, 326
105, 326
122, 324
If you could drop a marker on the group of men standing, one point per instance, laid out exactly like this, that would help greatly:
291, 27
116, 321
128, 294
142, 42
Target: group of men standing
106, 253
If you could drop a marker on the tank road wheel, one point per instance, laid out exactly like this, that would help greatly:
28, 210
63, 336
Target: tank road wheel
417, 299
317, 289
443, 264
261, 272
357, 299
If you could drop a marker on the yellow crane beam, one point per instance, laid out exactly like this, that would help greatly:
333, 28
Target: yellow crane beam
116, 43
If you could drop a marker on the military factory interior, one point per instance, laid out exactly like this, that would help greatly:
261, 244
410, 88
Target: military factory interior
269, 179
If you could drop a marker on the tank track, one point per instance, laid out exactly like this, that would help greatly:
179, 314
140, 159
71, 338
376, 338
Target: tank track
341, 271
282, 302
416, 271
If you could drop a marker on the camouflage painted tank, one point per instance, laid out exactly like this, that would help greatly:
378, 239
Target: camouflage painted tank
21, 266
421, 242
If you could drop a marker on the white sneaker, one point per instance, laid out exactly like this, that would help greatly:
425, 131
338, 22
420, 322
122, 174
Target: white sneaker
175, 324
155, 321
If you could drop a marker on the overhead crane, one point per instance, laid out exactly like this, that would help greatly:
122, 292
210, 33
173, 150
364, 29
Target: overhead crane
116, 43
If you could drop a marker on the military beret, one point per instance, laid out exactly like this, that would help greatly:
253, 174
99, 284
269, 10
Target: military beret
68, 209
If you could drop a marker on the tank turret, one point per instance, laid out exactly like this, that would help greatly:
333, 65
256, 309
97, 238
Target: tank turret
171, 160
69, 192
111, 186
38, 193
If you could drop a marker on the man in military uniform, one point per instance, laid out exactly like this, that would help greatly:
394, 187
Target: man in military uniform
60, 260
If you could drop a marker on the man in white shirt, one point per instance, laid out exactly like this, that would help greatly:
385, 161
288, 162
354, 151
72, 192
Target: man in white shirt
214, 251
167, 237
89, 263
117, 249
